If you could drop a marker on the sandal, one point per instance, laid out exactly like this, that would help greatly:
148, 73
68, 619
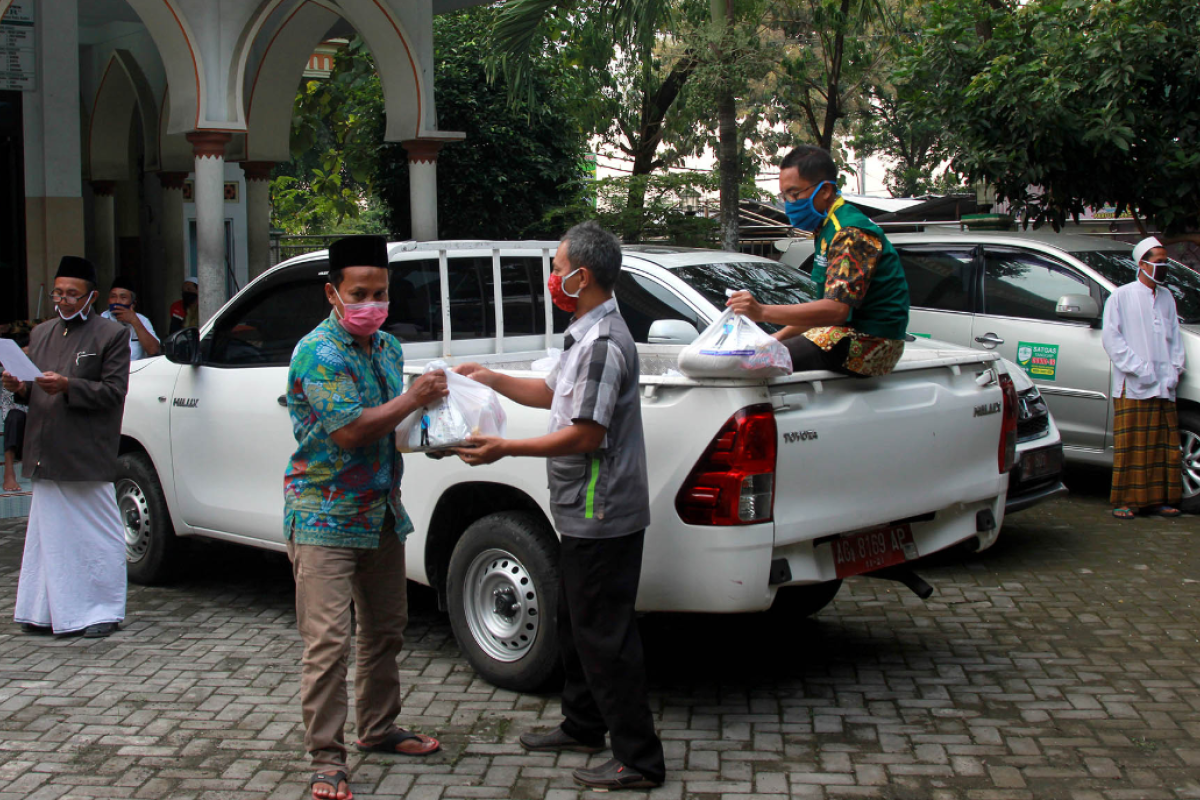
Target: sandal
390, 744
1166, 511
333, 779
1124, 513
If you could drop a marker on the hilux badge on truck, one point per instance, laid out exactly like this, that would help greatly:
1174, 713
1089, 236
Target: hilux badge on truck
987, 408
186, 402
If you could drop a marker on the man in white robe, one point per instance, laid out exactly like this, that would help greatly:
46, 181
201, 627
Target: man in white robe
73, 570
1142, 337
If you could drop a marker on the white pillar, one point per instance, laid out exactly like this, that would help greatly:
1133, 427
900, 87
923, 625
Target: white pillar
422, 186
105, 220
54, 211
258, 215
209, 150
174, 262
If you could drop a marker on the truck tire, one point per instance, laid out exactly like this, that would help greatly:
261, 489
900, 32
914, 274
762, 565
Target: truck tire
151, 547
800, 602
1189, 442
502, 589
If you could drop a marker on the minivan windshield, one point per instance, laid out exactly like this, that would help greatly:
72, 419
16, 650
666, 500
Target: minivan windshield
1120, 268
771, 283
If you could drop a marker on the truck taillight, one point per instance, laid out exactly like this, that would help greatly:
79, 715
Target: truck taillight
733, 483
1006, 456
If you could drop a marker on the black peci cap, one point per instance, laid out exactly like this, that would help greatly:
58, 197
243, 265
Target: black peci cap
358, 251
122, 282
76, 267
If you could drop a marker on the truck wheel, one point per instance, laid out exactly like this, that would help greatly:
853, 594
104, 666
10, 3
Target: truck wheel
502, 589
1189, 442
799, 602
151, 546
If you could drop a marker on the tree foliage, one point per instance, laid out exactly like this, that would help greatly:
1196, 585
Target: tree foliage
1064, 104
519, 160
337, 124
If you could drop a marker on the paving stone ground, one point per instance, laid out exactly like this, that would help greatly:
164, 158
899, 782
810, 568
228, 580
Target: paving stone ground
1060, 664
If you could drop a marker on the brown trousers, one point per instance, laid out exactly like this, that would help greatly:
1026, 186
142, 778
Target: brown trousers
328, 580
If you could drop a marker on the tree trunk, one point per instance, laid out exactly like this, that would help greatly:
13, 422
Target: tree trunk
727, 146
727, 160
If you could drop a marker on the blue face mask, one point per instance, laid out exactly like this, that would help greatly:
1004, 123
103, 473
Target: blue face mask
803, 214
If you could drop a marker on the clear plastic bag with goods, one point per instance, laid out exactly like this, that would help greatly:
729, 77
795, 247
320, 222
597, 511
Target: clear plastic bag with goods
734, 347
470, 409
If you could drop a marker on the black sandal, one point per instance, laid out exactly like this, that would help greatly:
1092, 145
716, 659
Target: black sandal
332, 779
389, 744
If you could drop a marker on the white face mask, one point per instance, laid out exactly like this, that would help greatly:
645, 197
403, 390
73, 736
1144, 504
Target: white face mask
567, 278
1156, 268
80, 312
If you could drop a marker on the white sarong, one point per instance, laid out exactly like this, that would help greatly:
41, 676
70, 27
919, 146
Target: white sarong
73, 570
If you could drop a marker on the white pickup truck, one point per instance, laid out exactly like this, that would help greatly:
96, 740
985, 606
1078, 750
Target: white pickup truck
763, 492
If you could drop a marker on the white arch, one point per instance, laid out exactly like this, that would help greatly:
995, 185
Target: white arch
123, 91
271, 86
180, 53
174, 151
381, 28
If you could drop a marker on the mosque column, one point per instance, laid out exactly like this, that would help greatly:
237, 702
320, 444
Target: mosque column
175, 263
258, 214
208, 147
422, 186
105, 220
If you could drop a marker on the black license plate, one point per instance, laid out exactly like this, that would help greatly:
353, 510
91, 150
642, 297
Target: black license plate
1040, 463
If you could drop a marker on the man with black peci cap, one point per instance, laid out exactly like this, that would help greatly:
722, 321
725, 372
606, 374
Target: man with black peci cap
343, 521
73, 571
122, 302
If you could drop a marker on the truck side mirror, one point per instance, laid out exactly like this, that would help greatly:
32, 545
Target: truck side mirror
672, 331
1078, 306
183, 347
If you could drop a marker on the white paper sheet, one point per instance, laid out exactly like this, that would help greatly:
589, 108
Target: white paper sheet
16, 363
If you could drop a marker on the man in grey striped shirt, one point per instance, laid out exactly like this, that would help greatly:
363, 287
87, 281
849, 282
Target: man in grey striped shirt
600, 501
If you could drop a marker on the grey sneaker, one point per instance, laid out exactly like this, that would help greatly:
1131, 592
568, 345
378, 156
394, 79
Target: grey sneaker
556, 740
613, 775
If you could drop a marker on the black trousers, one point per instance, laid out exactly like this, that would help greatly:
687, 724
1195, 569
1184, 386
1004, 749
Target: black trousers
807, 356
602, 650
14, 432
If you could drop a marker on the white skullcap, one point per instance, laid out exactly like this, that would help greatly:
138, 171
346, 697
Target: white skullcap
1145, 246
196, 283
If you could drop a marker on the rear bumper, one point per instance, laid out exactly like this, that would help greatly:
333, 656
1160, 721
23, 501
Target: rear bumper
729, 570
1034, 495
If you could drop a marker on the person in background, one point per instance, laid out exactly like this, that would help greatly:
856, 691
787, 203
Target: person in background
122, 302
1143, 340
185, 312
73, 568
343, 520
858, 322
595, 456
12, 416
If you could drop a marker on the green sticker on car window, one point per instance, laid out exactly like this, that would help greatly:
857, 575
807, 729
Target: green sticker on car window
921, 335
1040, 361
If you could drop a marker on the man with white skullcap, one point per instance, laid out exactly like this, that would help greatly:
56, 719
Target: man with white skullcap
1142, 337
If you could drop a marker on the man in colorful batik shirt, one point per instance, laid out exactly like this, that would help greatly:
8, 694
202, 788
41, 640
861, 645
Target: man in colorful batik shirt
344, 524
858, 322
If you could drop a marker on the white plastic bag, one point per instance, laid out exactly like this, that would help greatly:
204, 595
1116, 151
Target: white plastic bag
548, 362
470, 409
734, 347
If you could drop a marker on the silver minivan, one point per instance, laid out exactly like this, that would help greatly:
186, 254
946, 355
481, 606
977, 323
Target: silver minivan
1037, 299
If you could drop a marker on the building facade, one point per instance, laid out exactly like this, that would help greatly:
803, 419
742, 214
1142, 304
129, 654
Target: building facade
142, 133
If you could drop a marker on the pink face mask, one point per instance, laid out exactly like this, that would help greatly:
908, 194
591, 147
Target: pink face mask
362, 319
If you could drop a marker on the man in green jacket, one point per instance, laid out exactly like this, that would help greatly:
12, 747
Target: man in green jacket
857, 323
